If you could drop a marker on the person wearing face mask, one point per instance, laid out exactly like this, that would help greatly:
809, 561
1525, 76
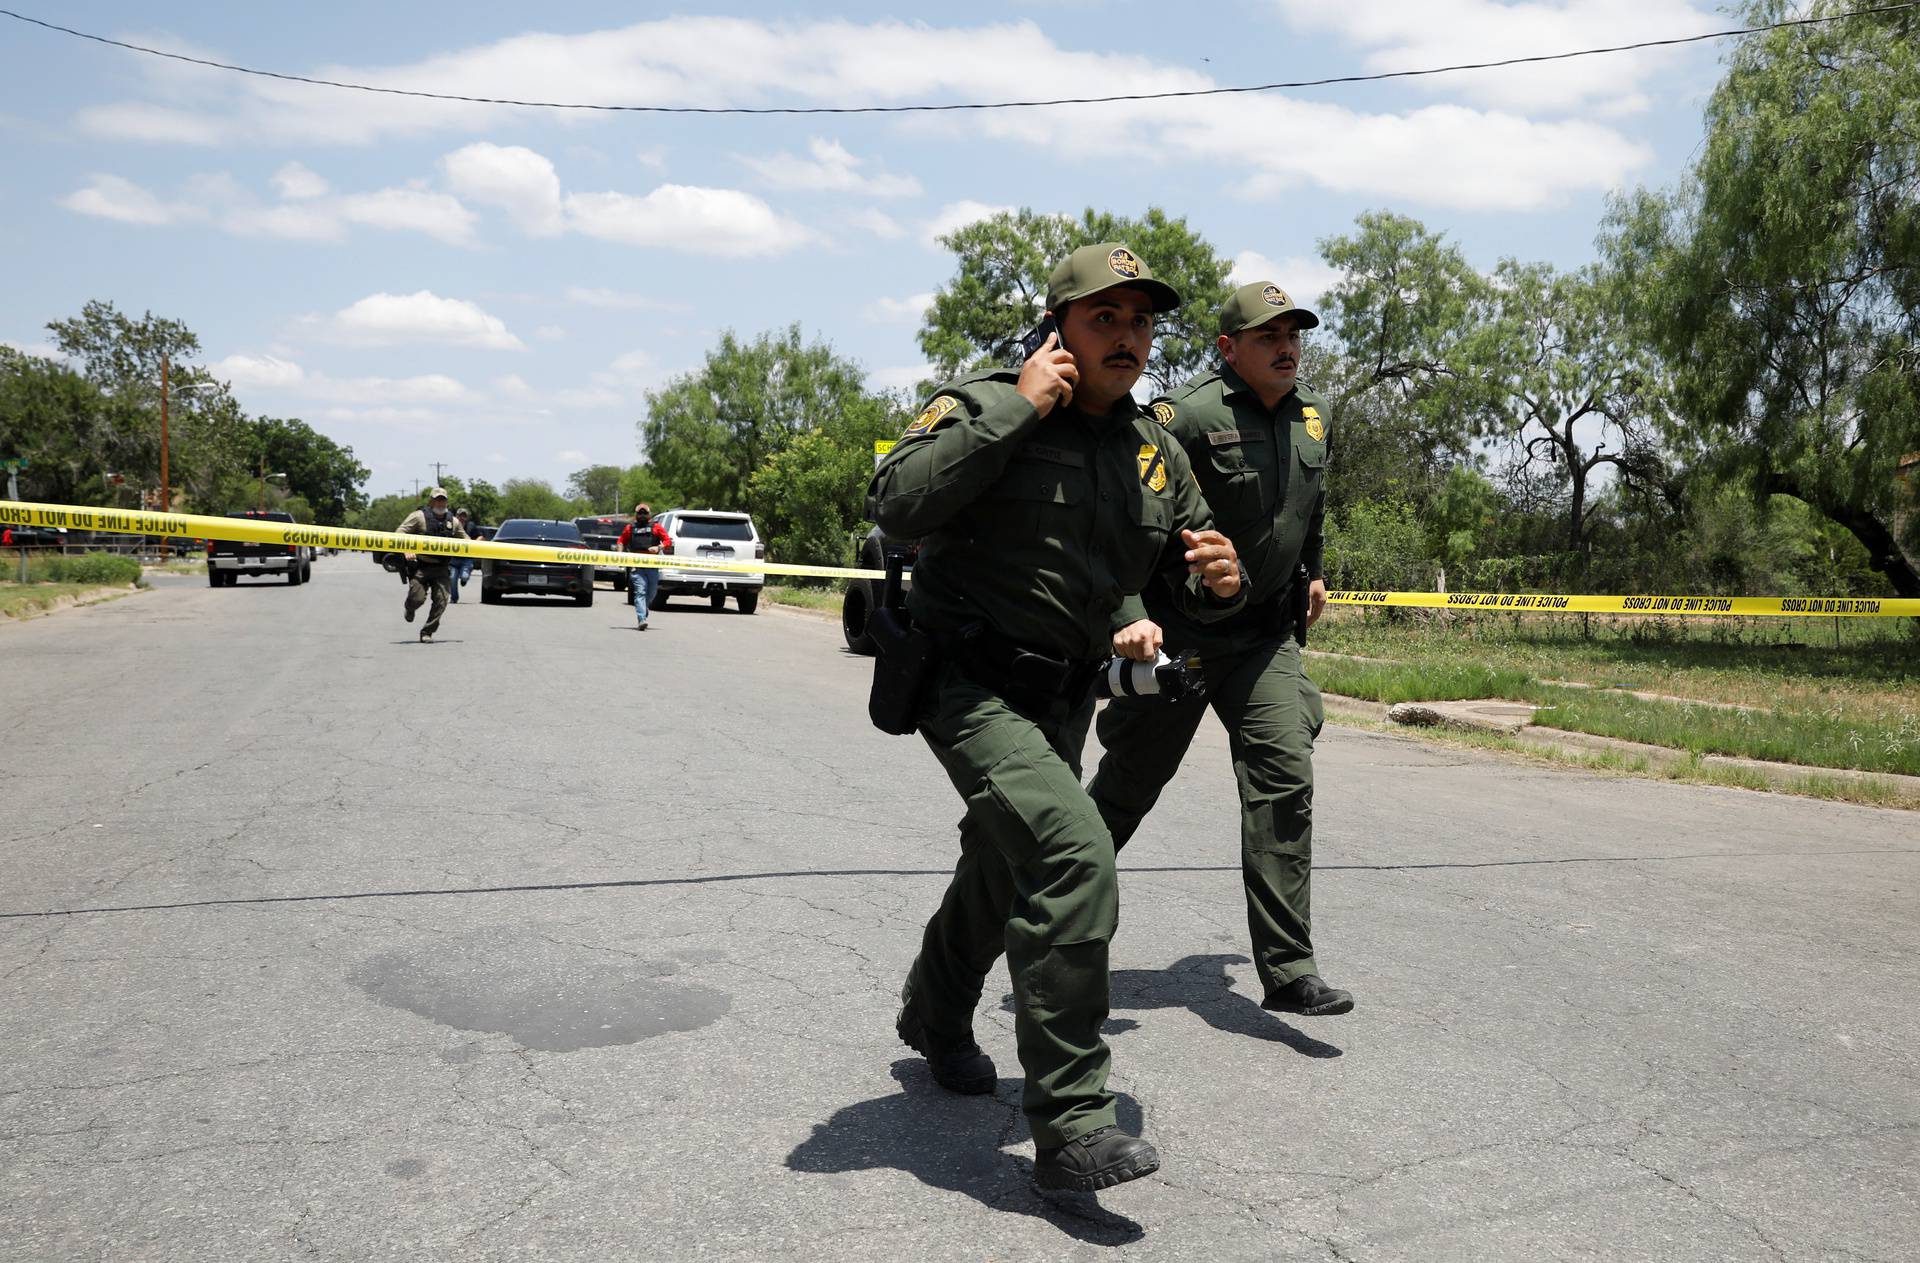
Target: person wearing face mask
1041, 497
431, 571
643, 535
1257, 440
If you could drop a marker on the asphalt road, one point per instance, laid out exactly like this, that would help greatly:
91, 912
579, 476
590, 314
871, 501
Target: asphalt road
558, 940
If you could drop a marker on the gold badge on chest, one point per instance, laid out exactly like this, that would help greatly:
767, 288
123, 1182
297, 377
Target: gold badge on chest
1316, 428
1153, 470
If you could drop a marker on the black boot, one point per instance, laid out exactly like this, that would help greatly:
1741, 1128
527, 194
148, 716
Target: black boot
1100, 1159
1308, 995
956, 1061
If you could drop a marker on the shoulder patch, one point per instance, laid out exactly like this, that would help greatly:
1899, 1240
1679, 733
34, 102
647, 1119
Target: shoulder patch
932, 415
1316, 428
1163, 413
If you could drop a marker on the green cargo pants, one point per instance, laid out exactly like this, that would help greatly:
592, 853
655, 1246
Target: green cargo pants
429, 582
1272, 715
1035, 879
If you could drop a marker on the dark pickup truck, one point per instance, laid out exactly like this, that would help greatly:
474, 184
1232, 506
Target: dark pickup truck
227, 561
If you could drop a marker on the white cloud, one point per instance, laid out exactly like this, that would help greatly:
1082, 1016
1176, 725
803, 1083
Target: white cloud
619, 300
722, 222
415, 210
905, 377
39, 350
516, 179
957, 215
294, 182
1305, 279
272, 374
654, 158
550, 333
830, 169
1449, 32
899, 311
1446, 155
423, 316
111, 197
877, 223
633, 364
298, 221
513, 386
142, 122
306, 213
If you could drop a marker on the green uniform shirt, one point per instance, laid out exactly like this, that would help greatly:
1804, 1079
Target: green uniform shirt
1263, 475
1038, 528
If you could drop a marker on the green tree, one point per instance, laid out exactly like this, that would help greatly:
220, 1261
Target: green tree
640, 485
54, 418
1781, 278
597, 487
809, 497
706, 433
999, 288
318, 470
1406, 302
1553, 358
532, 497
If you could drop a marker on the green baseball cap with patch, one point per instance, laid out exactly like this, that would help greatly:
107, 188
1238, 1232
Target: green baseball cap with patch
1253, 305
1108, 265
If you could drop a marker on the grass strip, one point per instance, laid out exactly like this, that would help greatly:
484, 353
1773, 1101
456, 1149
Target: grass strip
1808, 738
803, 598
25, 600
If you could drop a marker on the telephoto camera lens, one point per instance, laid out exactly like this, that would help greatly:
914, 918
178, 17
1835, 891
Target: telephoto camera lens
1163, 677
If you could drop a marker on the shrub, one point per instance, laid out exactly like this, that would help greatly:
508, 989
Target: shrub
103, 568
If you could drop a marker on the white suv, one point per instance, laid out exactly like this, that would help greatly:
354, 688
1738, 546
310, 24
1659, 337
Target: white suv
716, 536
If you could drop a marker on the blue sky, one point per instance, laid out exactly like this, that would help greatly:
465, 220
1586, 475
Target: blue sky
496, 288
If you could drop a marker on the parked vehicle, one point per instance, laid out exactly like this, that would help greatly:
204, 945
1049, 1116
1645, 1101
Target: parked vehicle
713, 535
544, 578
864, 595
603, 534
227, 560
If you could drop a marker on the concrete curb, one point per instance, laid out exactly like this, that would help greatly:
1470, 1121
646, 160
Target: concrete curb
1783, 775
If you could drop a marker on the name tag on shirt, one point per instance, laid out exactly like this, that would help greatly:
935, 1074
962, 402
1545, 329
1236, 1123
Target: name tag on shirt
1058, 455
1220, 438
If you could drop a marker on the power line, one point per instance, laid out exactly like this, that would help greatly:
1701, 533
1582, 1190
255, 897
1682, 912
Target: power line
975, 105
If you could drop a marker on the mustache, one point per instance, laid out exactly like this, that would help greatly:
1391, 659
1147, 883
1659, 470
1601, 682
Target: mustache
1122, 357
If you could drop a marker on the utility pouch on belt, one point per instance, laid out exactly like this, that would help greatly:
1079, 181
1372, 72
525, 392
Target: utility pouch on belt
903, 662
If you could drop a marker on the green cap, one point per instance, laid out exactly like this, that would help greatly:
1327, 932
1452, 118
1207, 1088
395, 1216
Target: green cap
1253, 305
1091, 269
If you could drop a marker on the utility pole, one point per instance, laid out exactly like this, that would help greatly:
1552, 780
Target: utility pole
437, 467
416, 488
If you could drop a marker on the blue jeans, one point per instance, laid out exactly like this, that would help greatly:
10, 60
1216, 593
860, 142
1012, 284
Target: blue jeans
646, 581
457, 575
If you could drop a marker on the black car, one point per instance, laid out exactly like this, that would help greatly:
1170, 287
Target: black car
546, 578
603, 535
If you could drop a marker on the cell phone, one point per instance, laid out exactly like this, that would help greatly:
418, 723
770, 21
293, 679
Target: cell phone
1038, 335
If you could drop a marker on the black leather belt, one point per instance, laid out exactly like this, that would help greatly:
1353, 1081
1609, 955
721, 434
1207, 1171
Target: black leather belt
1021, 674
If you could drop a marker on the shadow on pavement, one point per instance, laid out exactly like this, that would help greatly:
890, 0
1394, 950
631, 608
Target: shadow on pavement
953, 1143
1201, 985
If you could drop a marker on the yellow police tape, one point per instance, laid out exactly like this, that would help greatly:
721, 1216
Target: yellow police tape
262, 531
1728, 606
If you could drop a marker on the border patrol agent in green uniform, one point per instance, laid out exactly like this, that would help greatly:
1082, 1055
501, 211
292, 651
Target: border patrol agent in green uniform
1258, 444
1041, 498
